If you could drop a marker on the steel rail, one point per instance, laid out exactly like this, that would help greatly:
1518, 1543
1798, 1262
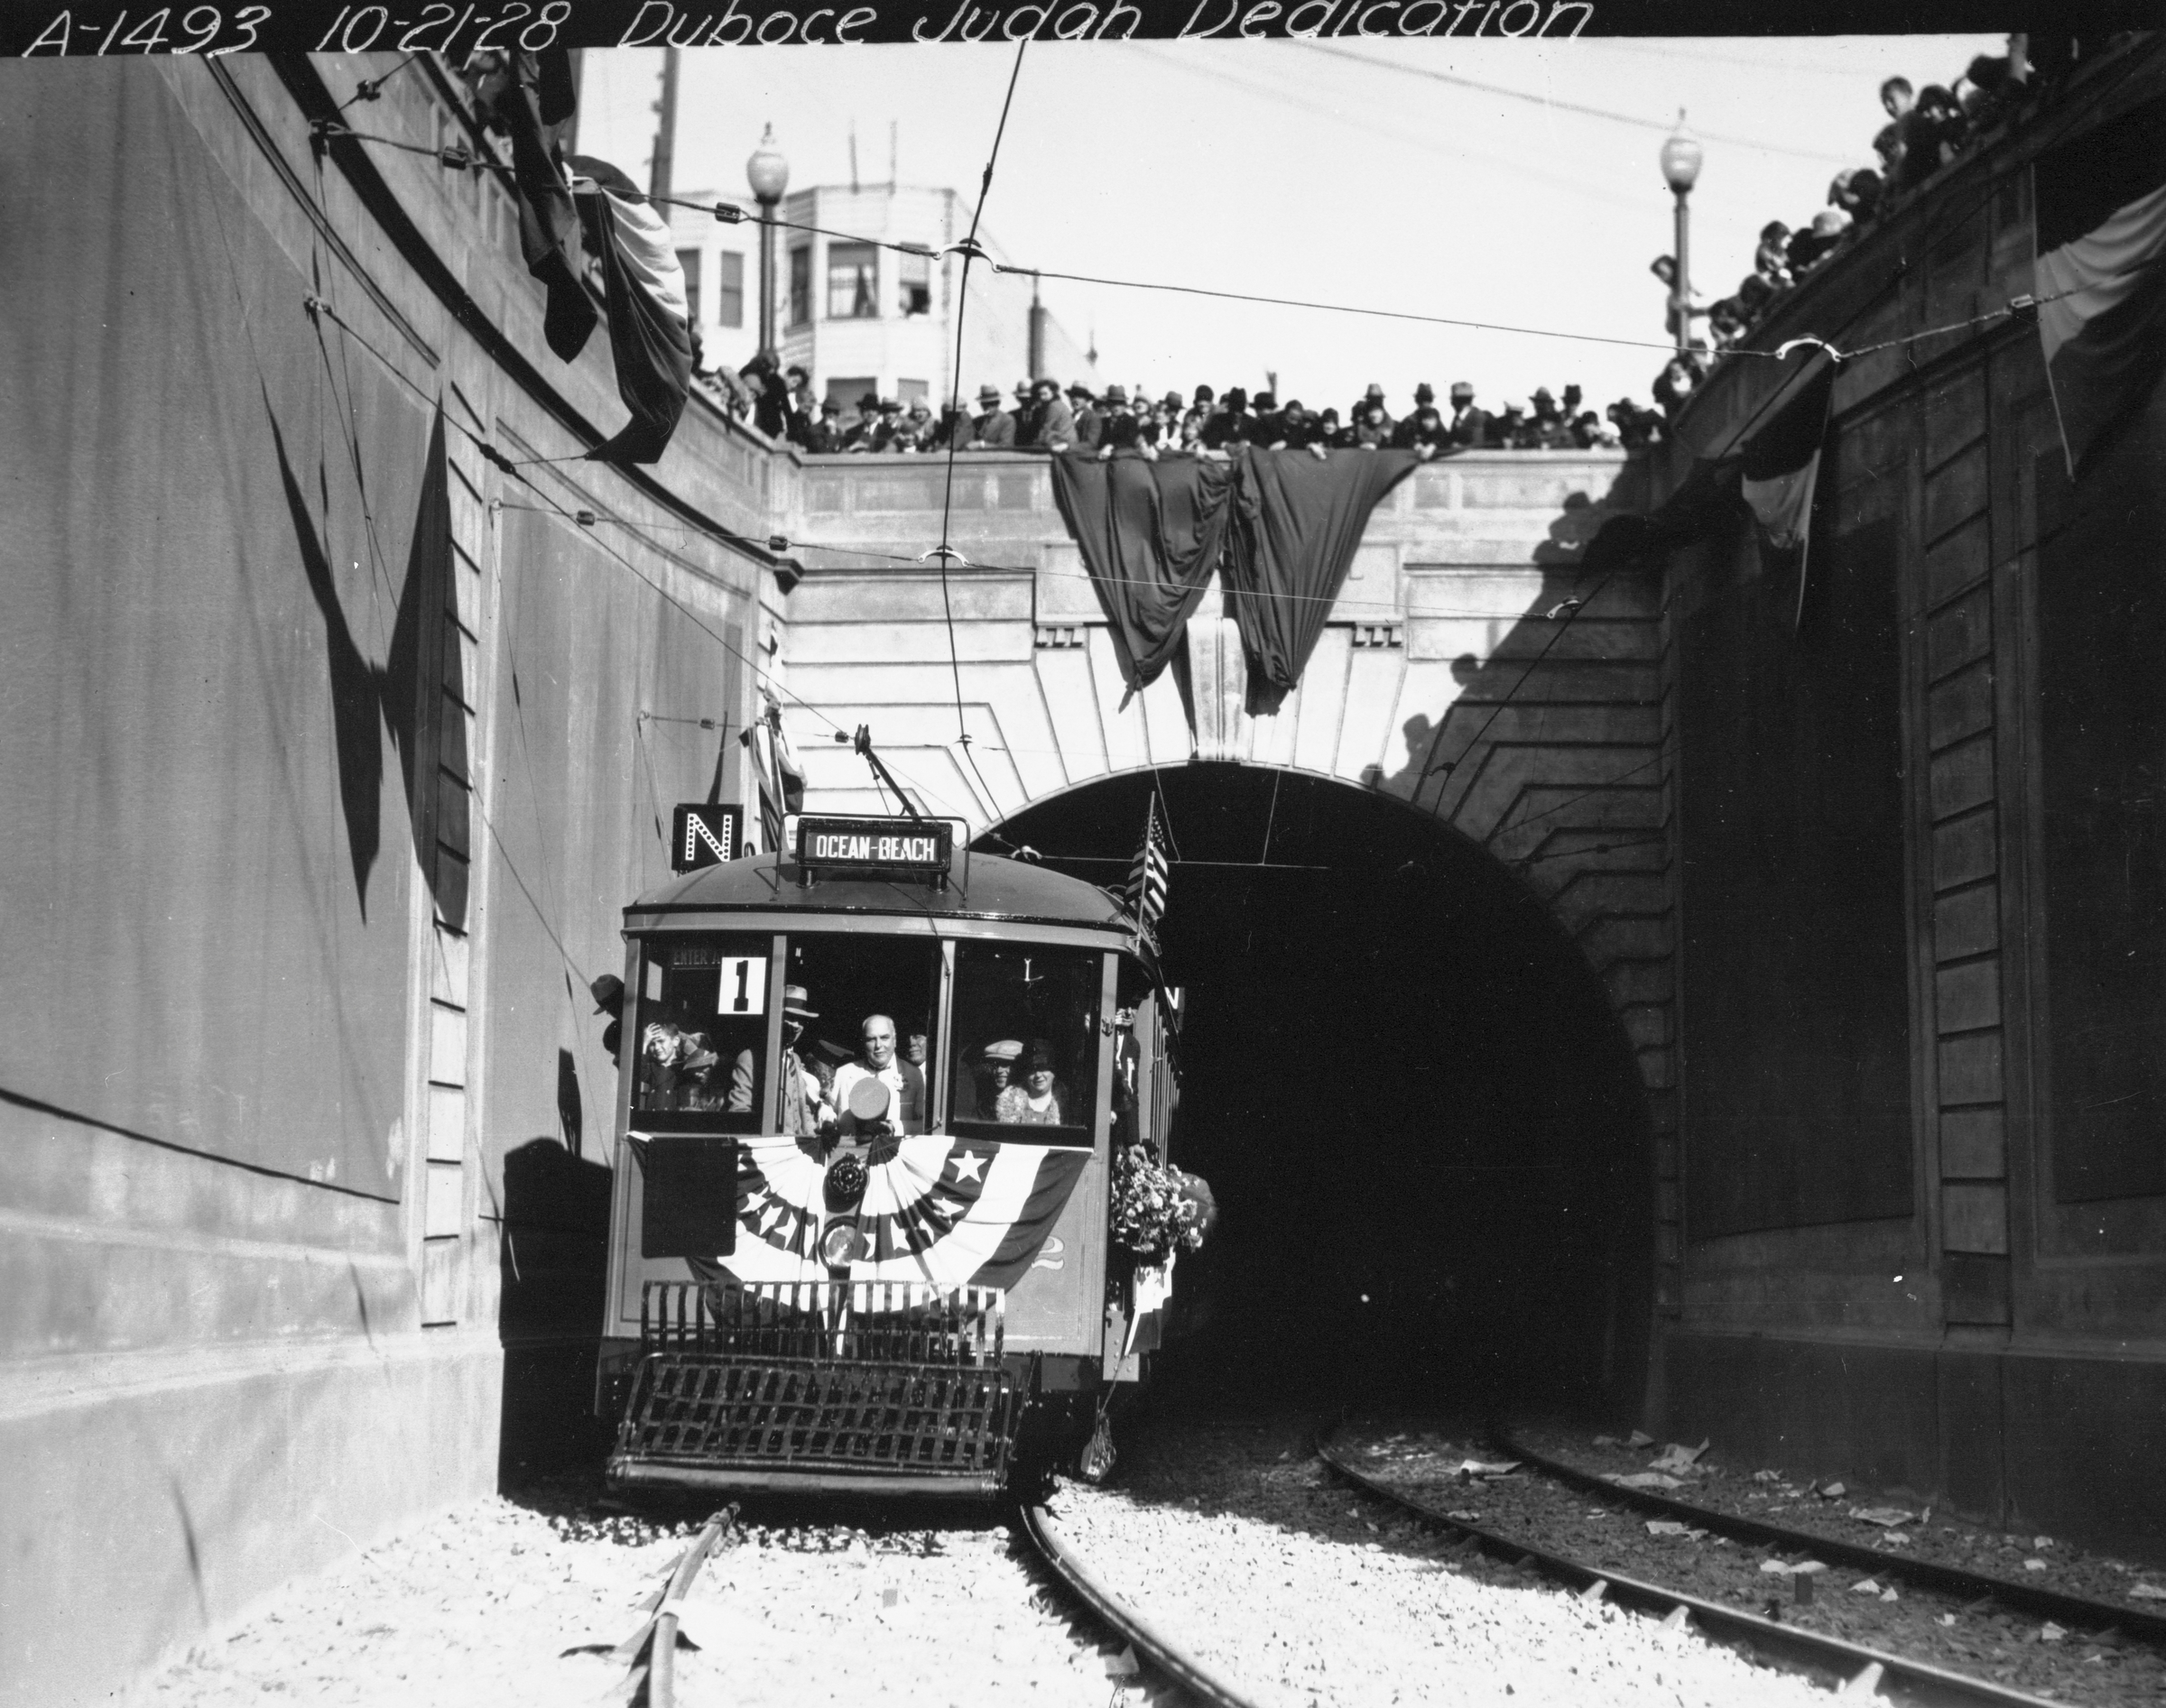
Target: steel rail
1162, 1651
661, 1655
1854, 1666
2076, 1611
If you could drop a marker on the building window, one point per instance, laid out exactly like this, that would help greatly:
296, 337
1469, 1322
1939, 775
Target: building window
853, 282
844, 393
689, 259
916, 274
729, 290
800, 285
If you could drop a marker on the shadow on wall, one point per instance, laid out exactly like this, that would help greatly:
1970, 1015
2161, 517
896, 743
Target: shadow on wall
1541, 635
400, 696
553, 1262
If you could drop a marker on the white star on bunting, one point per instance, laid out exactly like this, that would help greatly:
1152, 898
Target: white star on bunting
968, 1166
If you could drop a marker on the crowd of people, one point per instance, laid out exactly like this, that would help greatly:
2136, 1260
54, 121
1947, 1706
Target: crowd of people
1041, 414
1925, 129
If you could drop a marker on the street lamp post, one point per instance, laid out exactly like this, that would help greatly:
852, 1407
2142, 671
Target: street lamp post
768, 173
1680, 170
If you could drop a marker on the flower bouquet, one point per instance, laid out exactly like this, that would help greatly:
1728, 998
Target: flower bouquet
1156, 1210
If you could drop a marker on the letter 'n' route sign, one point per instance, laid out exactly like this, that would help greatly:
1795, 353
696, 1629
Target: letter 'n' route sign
705, 836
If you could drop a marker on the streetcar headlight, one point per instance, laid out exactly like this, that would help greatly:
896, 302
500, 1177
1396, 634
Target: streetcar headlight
841, 1244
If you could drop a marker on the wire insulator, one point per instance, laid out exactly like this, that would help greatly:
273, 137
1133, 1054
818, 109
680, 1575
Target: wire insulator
2024, 309
456, 158
729, 213
778, 542
585, 518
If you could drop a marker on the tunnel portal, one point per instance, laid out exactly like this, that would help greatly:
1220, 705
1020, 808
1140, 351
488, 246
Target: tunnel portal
1420, 1117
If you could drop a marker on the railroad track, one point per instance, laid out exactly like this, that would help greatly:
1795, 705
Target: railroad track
1152, 1644
1850, 1667
2076, 1611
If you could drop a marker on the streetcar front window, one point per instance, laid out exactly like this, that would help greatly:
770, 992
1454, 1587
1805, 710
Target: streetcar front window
871, 1002
1025, 1028
702, 1034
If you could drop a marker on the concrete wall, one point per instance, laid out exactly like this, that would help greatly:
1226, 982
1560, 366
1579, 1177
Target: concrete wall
1967, 1295
333, 752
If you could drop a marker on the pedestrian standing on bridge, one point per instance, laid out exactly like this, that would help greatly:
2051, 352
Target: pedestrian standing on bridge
1089, 423
1056, 422
993, 429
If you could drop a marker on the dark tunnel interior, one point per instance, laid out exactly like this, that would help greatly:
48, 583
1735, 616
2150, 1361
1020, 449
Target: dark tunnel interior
1419, 1116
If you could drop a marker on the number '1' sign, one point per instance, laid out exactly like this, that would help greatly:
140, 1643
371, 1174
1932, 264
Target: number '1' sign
743, 988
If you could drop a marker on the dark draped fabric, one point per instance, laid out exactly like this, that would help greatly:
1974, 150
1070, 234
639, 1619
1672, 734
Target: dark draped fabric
1297, 520
534, 111
648, 334
1150, 534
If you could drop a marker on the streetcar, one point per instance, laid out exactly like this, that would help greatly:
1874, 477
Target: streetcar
876, 1093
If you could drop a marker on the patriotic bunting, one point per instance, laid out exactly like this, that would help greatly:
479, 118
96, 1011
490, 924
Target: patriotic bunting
2100, 275
650, 330
775, 770
531, 96
954, 1212
1781, 465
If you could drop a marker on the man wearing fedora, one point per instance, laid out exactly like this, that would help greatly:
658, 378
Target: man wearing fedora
1469, 426
804, 1106
609, 993
1424, 430
1089, 423
1119, 430
993, 428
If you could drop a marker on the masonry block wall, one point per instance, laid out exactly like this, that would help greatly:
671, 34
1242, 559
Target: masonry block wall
1923, 1111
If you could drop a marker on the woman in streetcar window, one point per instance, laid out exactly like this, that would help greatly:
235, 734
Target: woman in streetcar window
1038, 1099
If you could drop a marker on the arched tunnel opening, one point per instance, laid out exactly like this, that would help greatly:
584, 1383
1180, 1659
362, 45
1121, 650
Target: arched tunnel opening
1422, 1120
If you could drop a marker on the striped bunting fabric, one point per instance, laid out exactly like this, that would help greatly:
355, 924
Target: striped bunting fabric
952, 1212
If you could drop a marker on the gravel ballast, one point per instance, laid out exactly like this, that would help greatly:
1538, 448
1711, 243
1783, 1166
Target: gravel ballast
1239, 1543
1876, 1608
482, 1604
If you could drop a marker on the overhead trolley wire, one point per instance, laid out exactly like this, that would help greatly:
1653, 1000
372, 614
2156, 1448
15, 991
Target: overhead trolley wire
955, 387
456, 158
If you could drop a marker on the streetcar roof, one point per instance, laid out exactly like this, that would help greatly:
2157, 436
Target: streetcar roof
980, 886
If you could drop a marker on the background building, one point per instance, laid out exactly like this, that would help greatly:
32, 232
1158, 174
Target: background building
863, 319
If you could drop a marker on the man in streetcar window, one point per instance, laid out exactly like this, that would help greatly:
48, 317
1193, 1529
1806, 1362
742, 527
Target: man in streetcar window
1038, 1099
917, 1044
804, 1092
878, 1061
995, 1067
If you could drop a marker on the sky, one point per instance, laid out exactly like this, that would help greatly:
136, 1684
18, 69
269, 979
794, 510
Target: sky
1447, 179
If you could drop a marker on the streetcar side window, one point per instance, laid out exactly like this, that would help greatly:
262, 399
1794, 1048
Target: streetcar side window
1025, 1030
702, 1034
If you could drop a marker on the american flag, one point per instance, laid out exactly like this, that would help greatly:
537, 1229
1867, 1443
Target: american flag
1147, 877
781, 779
